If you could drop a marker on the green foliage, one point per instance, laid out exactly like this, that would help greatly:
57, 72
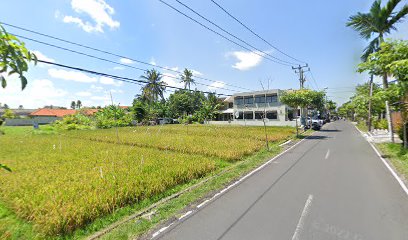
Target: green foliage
2, 166
187, 78
184, 102
380, 124
112, 116
154, 87
303, 98
74, 122
380, 20
14, 58
8, 113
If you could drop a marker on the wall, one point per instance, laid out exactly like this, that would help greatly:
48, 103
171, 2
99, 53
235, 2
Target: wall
255, 123
30, 121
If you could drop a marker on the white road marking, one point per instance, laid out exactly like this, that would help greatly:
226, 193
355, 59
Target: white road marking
401, 183
327, 154
280, 145
185, 215
299, 227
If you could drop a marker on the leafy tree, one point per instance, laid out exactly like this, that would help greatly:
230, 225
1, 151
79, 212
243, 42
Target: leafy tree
304, 98
20, 107
14, 58
187, 78
209, 108
184, 102
154, 87
78, 104
139, 110
380, 21
8, 114
112, 116
73, 105
5, 106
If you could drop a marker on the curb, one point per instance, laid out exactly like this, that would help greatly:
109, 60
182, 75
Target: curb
394, 174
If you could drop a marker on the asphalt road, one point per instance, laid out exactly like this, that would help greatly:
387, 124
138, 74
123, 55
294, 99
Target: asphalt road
332, 186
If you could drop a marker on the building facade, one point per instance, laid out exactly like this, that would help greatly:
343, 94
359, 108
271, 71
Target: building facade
251, 108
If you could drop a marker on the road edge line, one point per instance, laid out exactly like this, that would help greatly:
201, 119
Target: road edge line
393, 173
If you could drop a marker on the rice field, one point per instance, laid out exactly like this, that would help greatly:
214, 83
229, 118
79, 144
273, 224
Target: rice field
61, 182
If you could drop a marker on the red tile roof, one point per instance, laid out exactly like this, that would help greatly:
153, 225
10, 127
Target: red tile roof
46, 112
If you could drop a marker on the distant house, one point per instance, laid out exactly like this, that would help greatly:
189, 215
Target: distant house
47, 112
21, 113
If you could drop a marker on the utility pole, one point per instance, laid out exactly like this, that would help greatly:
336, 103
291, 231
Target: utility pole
302, 80
301, 72
370, 104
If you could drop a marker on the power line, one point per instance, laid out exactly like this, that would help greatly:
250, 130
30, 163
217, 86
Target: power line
313, 78
107, 60
113, 54
232, 35
123, 79
219, 34
254, 33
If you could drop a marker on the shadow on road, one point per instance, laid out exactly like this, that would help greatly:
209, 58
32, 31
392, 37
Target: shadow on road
330, 130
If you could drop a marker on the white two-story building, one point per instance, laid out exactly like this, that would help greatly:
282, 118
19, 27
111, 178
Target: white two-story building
250, 108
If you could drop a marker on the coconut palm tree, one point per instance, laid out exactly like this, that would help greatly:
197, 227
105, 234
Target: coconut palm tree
154, 88
374, 25
187, 78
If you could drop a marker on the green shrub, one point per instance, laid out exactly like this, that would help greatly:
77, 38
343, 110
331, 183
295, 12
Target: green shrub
380, 124
400, 132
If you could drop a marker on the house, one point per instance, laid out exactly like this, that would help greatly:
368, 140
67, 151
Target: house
20, 112
251, 108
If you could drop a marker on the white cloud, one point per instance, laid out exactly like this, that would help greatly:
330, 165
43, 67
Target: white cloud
126, 61
116, 91
98, 10
71, 75
38, 93
84, 94
196, 73
216, 85
96, 89
41, 56
110, 81
246, 60
170, 79
152, 61
118, 68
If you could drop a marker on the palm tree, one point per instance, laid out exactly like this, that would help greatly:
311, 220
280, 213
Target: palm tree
187, 78
154, 87
378, 22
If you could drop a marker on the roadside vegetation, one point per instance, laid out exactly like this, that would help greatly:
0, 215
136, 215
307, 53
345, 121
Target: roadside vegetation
398, 157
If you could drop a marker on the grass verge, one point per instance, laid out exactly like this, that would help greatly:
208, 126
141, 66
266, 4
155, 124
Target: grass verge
398, 156
362, 126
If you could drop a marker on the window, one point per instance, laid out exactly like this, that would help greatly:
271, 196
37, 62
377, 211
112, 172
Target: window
230, 105
260, 99
249, 115
240, 115
239, 101
272, 115
259, 115
249, 100
271, 98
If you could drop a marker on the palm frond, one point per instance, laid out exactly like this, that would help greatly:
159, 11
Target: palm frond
362, 23
371, 48
398, 17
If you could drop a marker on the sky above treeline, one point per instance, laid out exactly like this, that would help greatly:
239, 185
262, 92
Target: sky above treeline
150, 31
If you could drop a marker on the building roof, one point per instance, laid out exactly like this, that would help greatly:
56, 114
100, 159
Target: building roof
46, 112
270, 91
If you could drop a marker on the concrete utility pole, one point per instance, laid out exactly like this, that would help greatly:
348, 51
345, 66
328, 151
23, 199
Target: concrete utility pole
370, 104
302, 81
301, 72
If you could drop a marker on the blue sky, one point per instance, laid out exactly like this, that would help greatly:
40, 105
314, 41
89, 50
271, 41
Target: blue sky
313, 31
